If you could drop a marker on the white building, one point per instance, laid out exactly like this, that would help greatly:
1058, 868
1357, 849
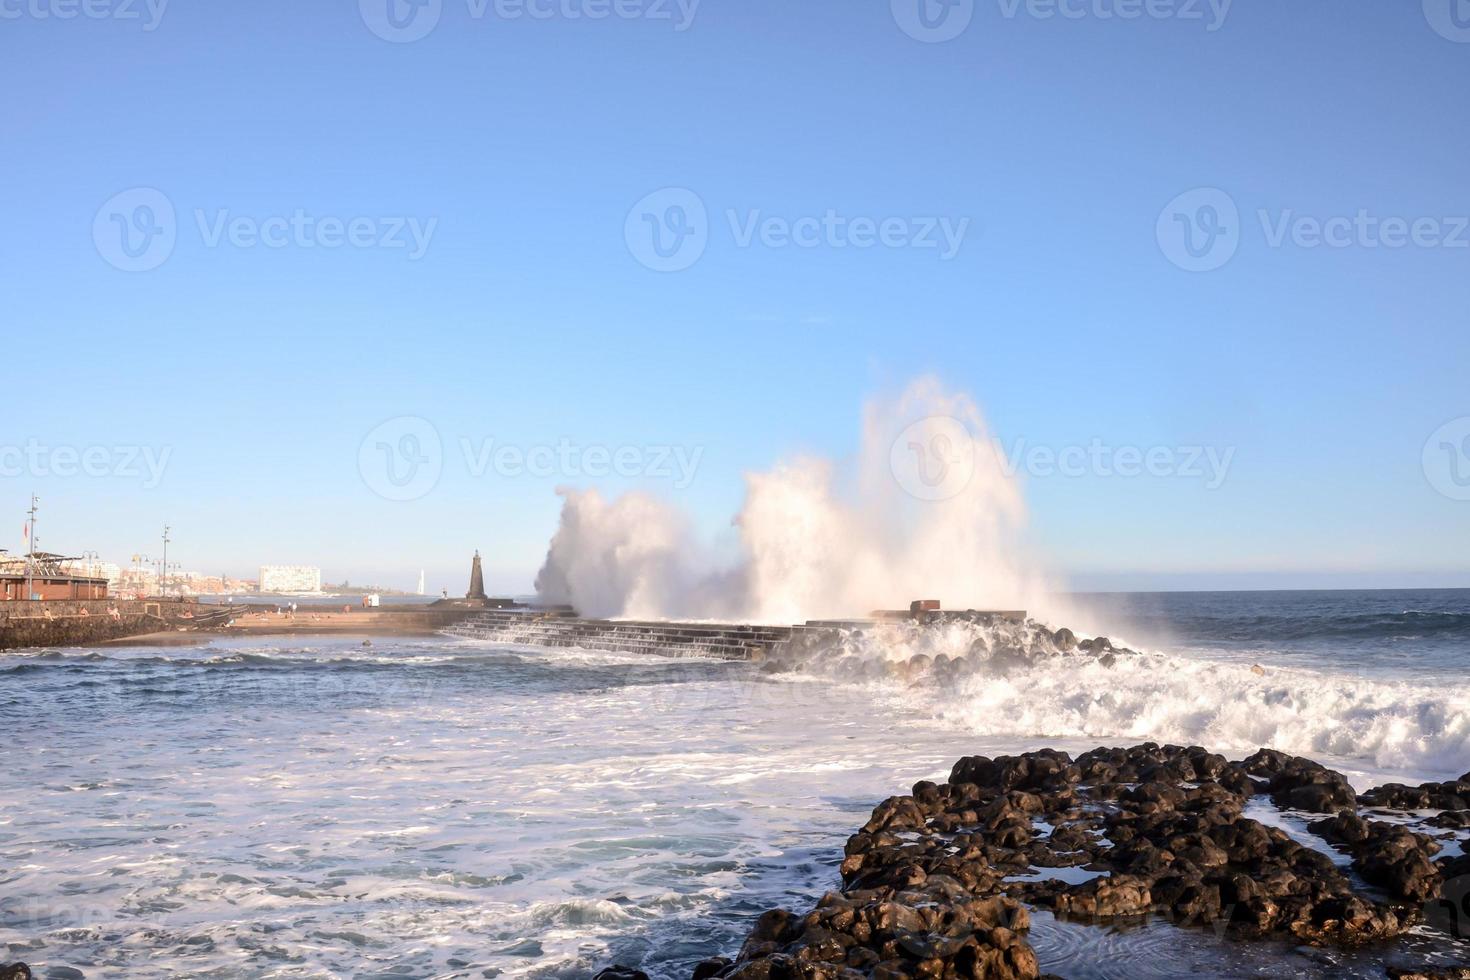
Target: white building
290, 578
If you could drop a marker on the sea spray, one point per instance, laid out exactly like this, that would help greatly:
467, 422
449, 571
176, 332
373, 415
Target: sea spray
1009, 680
926, 509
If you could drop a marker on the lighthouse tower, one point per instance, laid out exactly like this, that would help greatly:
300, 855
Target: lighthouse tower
477, 581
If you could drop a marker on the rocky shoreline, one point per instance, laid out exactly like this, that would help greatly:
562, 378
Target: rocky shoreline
942, 882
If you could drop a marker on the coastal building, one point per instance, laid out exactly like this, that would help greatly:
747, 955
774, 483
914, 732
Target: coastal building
46, 576
290, 578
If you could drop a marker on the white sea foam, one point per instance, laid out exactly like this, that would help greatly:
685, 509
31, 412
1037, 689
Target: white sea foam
1384, 724
547, 812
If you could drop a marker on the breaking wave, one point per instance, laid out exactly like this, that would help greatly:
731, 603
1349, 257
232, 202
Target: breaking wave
1004, 681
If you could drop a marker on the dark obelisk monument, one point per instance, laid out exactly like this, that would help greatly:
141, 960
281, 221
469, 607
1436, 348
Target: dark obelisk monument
477, 581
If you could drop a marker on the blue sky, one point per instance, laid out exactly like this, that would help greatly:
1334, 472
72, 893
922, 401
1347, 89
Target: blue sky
519, 146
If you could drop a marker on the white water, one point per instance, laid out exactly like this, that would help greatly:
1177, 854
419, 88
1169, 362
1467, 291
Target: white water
440, 808
926, 509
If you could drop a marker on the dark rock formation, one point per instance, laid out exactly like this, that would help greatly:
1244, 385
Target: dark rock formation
621, 973
15, 971
1429, 796
938, 883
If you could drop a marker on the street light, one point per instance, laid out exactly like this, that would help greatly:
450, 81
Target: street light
138, 562
92, 559
163, 582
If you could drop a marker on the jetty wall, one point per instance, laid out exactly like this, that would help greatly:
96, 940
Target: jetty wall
78, 622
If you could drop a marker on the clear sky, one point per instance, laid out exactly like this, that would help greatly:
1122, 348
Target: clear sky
252, 348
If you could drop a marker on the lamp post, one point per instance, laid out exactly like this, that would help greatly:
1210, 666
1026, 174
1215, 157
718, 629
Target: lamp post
91, 558
31, 549
163, 565
138, 562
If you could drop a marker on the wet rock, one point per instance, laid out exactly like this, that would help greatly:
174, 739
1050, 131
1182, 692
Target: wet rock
1064, 640
1301, 784
936, 884
621, 973
712, 967
15, 971
1452, 819
1106, 898
1429, 796
1388, 855
1429, 973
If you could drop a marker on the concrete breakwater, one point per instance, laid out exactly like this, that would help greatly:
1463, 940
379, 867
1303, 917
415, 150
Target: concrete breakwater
78, 622
74, 623
728, 641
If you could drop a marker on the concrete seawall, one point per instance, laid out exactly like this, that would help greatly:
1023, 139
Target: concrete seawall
79, 622
73, 623
667, 639
729, 641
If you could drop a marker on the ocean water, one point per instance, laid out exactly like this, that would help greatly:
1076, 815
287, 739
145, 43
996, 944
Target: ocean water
438, 807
